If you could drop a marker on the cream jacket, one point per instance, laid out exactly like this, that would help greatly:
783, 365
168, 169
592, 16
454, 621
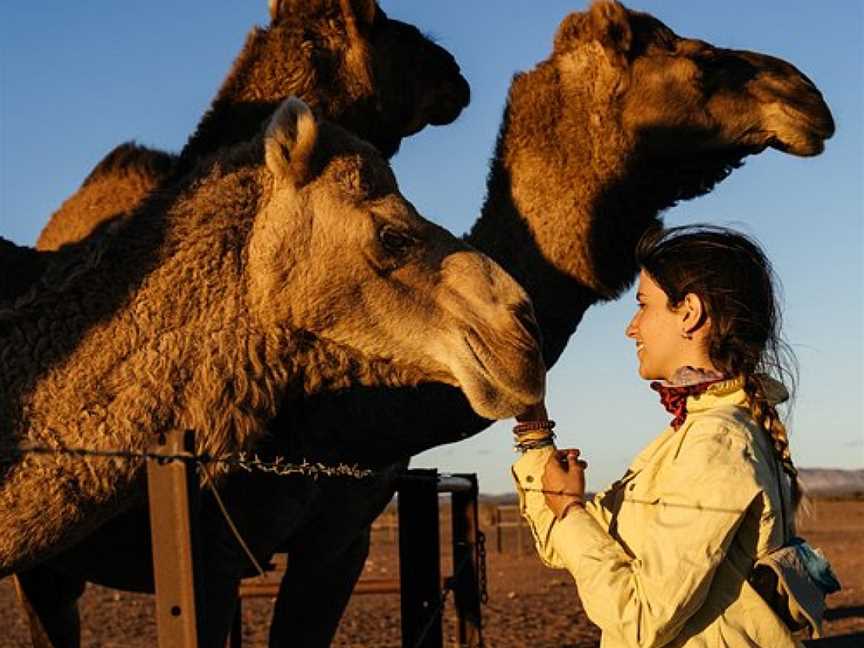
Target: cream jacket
661, 557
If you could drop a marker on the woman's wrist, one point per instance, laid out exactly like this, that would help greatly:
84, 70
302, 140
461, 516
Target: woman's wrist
536, 412
533, 429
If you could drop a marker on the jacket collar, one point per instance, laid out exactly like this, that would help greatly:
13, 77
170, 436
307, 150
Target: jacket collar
725, 392
731, 392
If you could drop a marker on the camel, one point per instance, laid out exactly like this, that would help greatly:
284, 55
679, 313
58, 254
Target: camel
378, 77
622, 120
288, 265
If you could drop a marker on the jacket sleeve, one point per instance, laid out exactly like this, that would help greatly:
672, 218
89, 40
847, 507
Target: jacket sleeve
645, 596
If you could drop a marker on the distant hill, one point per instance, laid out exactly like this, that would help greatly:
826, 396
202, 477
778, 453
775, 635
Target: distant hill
829, 482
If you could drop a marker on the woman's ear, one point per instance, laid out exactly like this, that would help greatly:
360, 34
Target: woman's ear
693, 314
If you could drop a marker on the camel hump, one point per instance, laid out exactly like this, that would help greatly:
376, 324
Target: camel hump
131, 159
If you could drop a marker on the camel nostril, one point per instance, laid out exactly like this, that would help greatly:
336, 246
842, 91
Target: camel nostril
524, 314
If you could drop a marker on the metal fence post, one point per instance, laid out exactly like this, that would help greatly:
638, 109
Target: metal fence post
172, 489
467, 585
420, 560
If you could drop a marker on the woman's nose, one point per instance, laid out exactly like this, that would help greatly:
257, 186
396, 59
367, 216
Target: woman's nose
630, 330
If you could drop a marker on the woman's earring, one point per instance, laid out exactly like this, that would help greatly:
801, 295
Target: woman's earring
686, 335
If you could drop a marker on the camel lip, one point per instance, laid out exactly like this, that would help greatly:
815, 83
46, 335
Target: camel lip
811, 146
807, 135
483, 358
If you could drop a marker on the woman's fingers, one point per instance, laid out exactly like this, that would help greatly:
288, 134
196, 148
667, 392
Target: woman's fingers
576, 464
565, 456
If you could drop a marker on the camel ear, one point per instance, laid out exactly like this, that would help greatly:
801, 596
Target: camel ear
358, 15
281, 9
277, 9
607, 22
290, 141
610, 24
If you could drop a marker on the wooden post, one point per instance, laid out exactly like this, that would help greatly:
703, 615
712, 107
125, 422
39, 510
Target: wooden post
172, 489
466, 588
519, 534
420, 560
498, 545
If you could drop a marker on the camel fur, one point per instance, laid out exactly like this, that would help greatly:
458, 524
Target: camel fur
379, 78
595, 142
255, 286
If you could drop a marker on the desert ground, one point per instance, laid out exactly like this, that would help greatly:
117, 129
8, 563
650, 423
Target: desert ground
528, 605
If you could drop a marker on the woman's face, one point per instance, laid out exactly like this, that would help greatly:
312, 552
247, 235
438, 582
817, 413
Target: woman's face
657, 330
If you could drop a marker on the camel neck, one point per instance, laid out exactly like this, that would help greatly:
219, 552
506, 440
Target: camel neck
556, 215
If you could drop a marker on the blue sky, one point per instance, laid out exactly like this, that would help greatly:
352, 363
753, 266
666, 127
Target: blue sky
78, 78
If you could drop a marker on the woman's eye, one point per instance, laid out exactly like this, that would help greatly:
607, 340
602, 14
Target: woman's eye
394, 241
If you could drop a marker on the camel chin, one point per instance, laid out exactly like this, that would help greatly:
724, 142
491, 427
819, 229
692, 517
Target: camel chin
798, 143
493, 389
798, 134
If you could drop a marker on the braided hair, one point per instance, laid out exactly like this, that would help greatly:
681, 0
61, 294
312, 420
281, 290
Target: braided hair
732, 276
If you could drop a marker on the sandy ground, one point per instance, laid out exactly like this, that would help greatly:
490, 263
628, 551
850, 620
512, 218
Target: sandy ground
529, 605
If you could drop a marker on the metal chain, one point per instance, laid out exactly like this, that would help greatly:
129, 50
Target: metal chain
442, 599
481, 567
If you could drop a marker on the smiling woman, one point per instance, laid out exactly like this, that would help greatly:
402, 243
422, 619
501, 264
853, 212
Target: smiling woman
683, 548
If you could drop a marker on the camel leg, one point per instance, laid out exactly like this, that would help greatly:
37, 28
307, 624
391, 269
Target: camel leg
50, 600
313, 595
219, 605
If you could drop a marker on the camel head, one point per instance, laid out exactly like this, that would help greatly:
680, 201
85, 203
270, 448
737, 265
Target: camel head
681, 100
338, 252
398, 81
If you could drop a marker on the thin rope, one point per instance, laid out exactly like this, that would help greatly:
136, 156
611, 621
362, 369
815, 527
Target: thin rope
698, 507
209, 482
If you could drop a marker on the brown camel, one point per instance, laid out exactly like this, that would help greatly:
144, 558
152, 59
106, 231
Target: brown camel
378, 77
623, 120
268, 280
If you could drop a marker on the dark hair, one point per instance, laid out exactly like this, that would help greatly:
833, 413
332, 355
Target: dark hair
732, 276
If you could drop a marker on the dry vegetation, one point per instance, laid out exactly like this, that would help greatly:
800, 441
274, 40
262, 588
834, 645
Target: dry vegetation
529, 605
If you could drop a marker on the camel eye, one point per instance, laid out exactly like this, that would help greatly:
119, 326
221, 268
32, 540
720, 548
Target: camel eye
394, 241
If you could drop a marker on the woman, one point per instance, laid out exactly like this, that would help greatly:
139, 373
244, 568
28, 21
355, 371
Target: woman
666, 555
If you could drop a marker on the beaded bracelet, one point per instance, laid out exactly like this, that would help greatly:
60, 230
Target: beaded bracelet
524, 445
533, 435
528, 426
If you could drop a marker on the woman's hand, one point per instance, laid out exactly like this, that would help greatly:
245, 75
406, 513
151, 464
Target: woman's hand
564, 481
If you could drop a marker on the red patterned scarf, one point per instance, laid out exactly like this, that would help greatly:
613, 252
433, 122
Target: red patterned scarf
685, 382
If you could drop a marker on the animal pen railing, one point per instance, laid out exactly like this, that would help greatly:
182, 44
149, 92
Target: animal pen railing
173, 494
423, 592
